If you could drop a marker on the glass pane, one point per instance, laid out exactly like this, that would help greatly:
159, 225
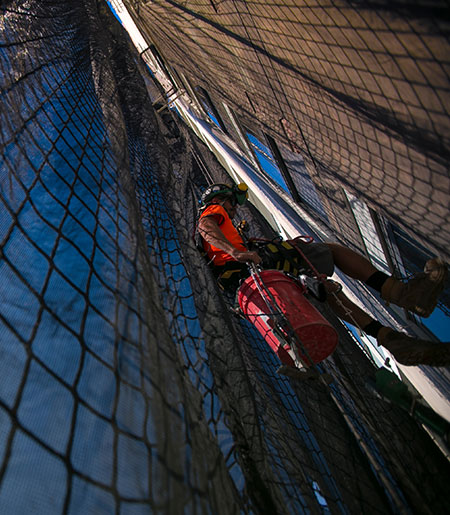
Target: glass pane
267, 161
368, 232
302, 180
210, 114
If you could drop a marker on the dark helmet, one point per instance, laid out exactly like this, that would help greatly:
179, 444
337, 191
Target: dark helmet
238, 191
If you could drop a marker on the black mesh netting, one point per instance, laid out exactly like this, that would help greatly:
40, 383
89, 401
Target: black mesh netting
359, 88
126, 386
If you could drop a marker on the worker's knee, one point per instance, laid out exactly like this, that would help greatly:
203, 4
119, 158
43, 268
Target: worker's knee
336, 249
332, 286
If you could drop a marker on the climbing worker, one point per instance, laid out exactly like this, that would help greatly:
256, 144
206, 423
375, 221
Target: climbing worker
228, 256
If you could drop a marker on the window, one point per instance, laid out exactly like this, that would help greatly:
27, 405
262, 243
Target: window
288, 170
210, 108
368, 231
162, 65
302, 182
266, 160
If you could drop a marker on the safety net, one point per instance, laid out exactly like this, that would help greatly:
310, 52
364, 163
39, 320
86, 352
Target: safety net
359, 88
127, 385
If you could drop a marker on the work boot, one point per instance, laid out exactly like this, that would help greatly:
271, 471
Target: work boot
412, 351
421, 293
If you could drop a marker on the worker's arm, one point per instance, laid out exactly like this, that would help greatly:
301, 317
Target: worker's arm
210, 231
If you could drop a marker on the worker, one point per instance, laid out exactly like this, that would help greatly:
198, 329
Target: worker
228, 256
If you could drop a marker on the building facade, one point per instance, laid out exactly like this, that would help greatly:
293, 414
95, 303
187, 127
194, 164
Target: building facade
344, 108
359, 94
127, 385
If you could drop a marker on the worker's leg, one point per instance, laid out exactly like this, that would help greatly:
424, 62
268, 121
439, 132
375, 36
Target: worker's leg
345, 308
419, 295
351, 263
405, 349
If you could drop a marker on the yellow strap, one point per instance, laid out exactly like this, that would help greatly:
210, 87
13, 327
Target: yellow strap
228, 273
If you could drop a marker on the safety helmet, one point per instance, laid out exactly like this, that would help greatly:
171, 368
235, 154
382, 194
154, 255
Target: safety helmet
238, 191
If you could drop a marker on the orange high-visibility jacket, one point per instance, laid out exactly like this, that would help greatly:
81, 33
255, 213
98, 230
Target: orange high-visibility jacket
229, 231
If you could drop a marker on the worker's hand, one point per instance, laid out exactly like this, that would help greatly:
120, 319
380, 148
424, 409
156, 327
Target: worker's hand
245, 257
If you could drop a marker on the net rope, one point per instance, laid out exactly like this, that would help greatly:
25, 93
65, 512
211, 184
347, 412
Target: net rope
127, 386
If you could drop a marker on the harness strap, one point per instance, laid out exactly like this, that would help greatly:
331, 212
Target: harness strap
279, 255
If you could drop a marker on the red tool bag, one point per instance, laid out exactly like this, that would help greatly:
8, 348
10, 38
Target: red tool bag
316, 334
